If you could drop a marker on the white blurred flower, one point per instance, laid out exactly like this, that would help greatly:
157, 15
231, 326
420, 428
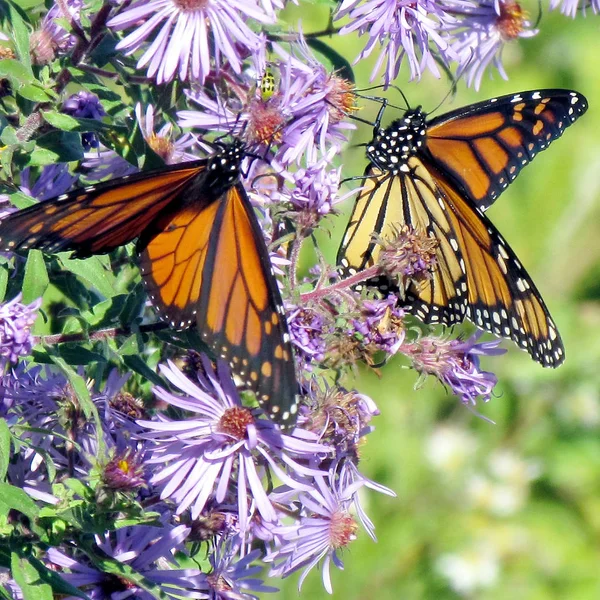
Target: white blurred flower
506, 490
581, 407
471, 570
449, 448
506, 465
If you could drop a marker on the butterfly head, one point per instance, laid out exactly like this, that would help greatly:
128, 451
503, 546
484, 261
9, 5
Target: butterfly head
392, 147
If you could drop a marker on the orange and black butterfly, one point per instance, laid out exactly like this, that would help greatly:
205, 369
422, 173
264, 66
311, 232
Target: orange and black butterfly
202, 255
438, 176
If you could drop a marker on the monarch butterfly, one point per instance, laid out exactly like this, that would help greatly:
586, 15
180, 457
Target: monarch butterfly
202, 256
438, 176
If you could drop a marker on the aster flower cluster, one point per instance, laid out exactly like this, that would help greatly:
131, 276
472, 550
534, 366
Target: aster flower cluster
141, 466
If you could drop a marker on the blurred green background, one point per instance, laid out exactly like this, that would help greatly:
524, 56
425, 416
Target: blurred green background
511, 509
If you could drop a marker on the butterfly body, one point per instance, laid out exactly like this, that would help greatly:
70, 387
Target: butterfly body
438, 176
203, 259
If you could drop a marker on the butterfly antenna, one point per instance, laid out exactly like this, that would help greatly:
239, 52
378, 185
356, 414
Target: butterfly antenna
449, 93
539, 17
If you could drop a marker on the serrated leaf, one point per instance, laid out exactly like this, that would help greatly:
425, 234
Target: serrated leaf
5, 444
94, 272
36, 279
33, 92
28, 579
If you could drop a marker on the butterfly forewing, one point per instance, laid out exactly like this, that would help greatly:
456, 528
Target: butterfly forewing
483, 147
437, 177
99, 218
209, 265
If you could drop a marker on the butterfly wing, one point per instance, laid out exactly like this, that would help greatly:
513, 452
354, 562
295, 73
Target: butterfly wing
481, 148
502, 298
476, 276
97, 219
388, 201
210, 265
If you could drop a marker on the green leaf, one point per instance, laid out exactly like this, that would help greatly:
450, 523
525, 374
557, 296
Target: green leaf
64, 145
139, 366
16, 71
79, 387
124, 571
76, 355
69, 123
79, 488
21, 200
339, 63
21, 34
94, 272
28, 579
33, 92
130, 347
58, 584
36, 279
5, 444
13, 498
3, 282
9, 137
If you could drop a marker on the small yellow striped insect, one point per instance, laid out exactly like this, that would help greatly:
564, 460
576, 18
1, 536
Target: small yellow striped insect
267, 85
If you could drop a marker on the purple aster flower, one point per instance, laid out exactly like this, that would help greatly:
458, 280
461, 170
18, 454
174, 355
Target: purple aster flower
52, 39
340, 418
456, 364
381, 324
321, 536
183, 32
408, 256
103, 164
308, 329
16, 320
54, 180
233, 577
85, 105
403, 29
480, 35
224, 443
171, 151
319, 103
302, 120
125, 471
572, 7
147, 550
